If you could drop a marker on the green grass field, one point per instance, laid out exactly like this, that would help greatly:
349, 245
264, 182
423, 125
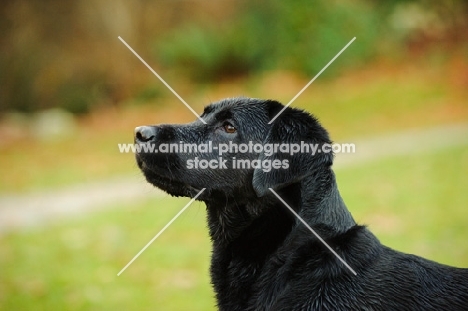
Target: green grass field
415, 204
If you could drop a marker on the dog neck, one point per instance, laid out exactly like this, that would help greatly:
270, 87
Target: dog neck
318, 202
322, 205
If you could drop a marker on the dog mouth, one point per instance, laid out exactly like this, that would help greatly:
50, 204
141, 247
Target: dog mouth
167, 183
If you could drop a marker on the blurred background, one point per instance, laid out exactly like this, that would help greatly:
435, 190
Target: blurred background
74, 210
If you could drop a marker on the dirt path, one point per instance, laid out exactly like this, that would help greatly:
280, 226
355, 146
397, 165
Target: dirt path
24, 211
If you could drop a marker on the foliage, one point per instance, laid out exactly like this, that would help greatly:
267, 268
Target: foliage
300, 35
66, 54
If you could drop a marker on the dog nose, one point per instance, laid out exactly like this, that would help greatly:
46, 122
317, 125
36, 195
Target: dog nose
145, 133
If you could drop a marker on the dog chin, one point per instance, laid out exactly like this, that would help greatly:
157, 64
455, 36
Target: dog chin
173, 187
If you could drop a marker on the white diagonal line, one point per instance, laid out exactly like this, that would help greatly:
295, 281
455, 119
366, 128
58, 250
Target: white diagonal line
313, 231
162, 80
160, 232
311, 81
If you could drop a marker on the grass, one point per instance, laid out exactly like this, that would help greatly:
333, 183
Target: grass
74, 265
415, 204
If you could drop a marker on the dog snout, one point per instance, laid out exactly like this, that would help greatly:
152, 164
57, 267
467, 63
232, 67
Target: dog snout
145, 134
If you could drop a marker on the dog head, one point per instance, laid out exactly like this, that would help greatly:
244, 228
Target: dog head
237, 153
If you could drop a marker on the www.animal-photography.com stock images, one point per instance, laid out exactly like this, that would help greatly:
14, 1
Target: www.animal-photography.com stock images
234, 155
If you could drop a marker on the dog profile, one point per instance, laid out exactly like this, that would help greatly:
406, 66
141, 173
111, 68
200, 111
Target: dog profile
263, 257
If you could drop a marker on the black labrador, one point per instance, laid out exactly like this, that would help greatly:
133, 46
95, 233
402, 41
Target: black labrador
263, 257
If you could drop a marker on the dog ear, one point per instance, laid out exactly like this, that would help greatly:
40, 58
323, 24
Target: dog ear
293, 127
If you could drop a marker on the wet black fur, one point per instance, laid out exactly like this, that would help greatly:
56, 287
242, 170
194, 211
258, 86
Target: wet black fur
263, 257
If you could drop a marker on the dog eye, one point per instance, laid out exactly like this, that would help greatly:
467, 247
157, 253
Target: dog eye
229, 128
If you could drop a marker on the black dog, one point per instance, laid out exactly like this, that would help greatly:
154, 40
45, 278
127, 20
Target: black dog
263, 257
